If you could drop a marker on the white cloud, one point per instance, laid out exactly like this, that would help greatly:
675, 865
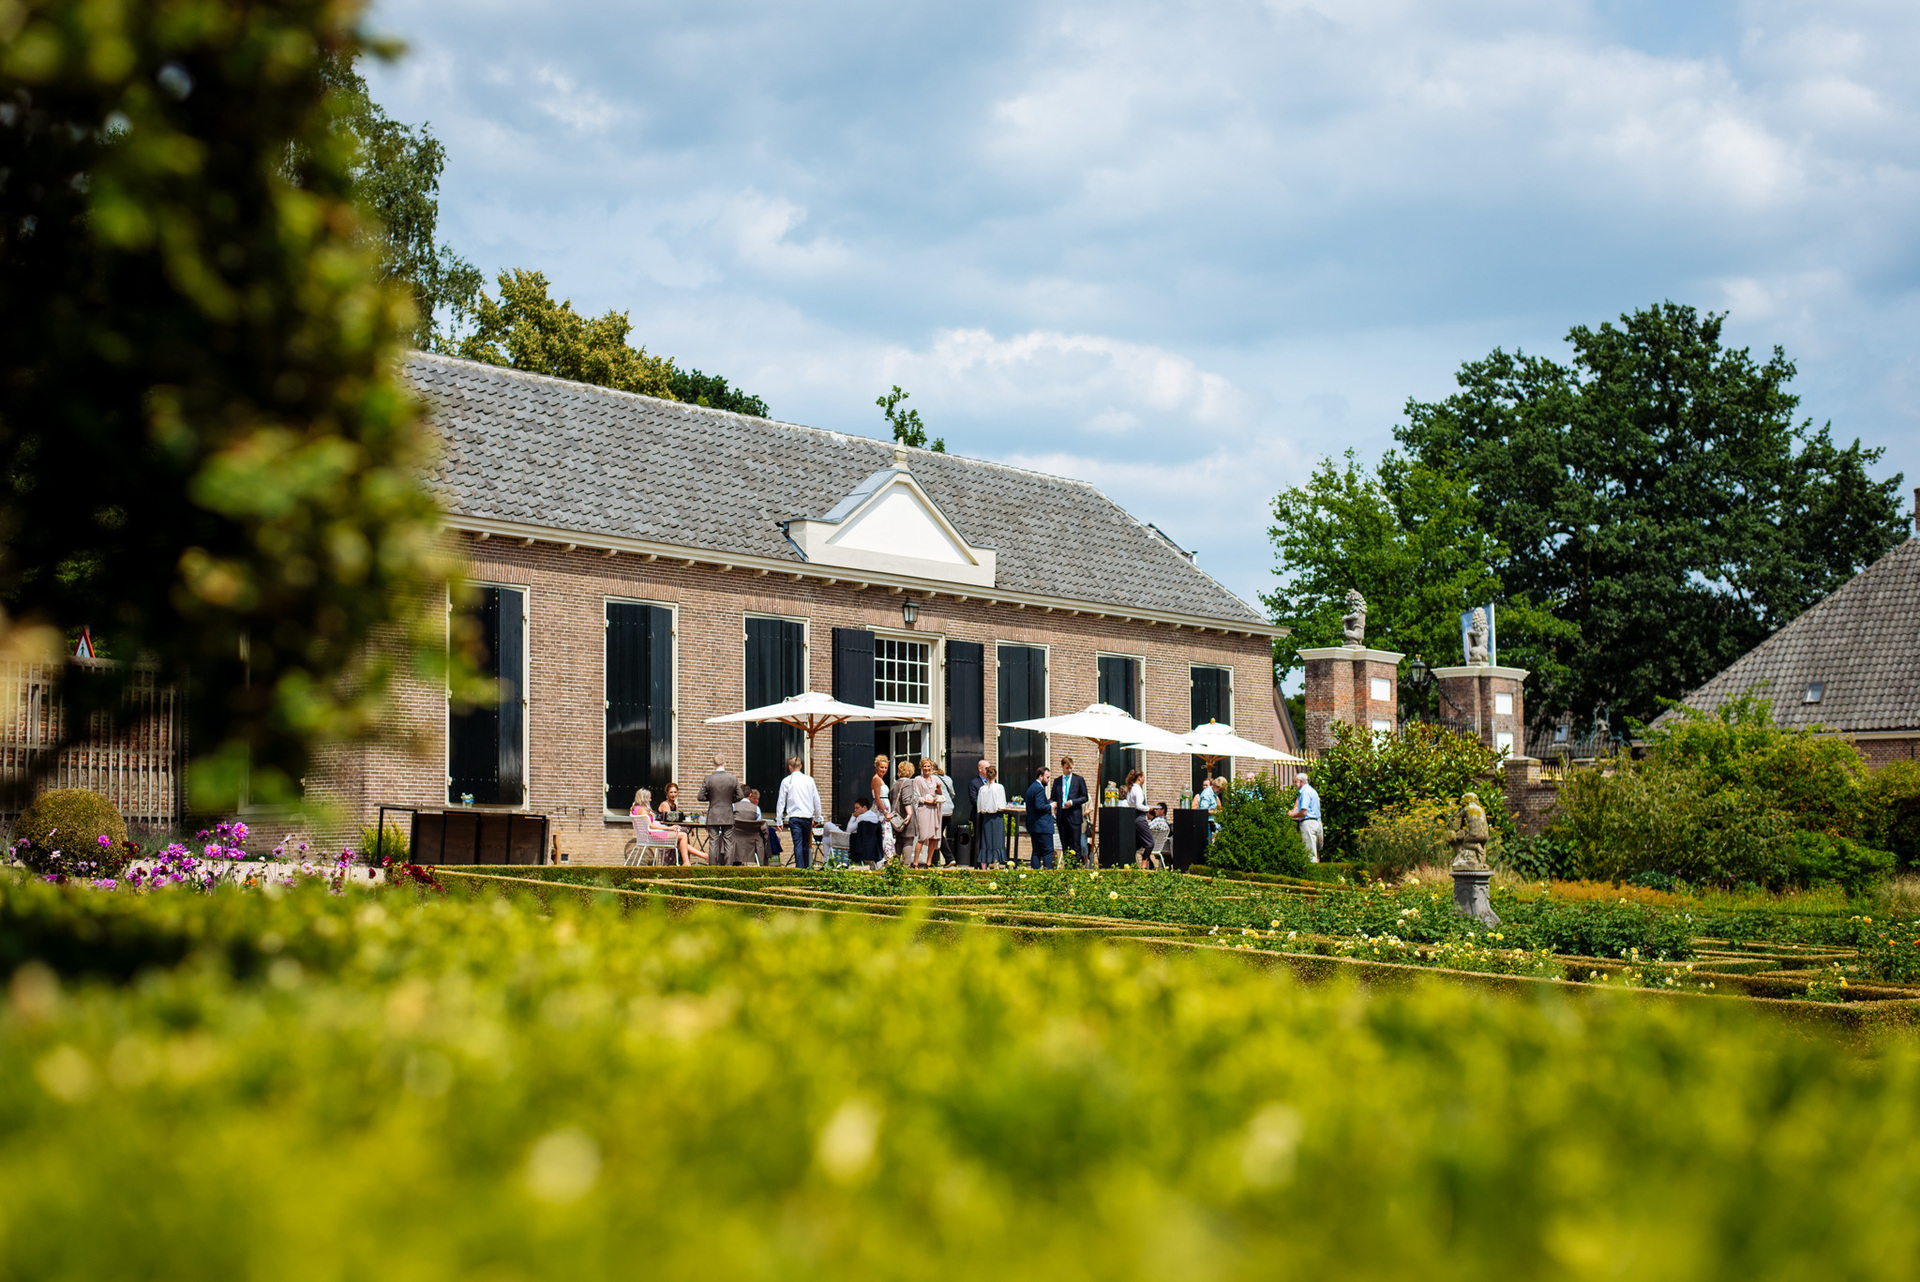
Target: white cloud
1184, 251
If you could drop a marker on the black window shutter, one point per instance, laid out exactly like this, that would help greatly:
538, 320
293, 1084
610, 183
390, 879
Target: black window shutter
852, 740
1119, 685
1022, 691
776, 669
1212, 701
639, 701
966, 717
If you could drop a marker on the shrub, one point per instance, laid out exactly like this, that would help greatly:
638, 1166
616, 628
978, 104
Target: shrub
1817, 859
1812, 777
379, 844
59, 834
1364, 773
1891, 811
1893, 959
1255, 834
1545, 856
1404, 837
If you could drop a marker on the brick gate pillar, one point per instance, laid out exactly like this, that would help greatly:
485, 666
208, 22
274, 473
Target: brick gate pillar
1352, 684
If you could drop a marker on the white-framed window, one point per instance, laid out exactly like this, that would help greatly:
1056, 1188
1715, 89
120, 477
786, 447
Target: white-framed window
1503, 704
1382, 726
902, 675
1503, 744
1382, 690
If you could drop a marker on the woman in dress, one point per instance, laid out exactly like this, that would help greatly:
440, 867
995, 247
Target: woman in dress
1142, 827
882, 802
993, 829
902, 819
927, 793
651, 832
669, 804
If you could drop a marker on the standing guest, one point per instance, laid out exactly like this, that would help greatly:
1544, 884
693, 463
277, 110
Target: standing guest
988, 803
927, 795
1069, 807
974, 785
948, 851
1306, 808
1040, 820
799, 809
1137, 802
882, 803
902, 820
720, 790
1206, 800
669, 807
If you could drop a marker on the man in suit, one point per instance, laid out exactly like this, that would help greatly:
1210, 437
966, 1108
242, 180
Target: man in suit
1069, 806
720, 790
1040, 820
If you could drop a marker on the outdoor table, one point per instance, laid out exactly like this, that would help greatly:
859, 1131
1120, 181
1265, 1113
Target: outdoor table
1189, 844
1117, 838
696, 830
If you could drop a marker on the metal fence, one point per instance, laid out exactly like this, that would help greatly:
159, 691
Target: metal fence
137, 767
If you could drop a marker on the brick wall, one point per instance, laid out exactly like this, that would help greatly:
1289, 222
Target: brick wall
566, 592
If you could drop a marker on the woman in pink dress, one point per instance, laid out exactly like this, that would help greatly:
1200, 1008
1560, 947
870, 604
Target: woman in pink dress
651, 832
926, 794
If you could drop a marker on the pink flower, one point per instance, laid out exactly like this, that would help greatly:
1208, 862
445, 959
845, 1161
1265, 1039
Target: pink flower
105, 841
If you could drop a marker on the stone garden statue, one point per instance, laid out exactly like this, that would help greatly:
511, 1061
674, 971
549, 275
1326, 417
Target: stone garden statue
1468, 833
1355, 624
1477, 636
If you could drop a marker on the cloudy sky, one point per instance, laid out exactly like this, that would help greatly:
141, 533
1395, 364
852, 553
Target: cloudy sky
1184, 250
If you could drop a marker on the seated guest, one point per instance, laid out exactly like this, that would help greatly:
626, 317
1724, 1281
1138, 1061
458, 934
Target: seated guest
865, 835
1162, 832
649, 831
748, 842
669, 807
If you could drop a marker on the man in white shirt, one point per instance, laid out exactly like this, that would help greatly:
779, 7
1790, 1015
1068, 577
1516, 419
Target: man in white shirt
1307, 811
799, 809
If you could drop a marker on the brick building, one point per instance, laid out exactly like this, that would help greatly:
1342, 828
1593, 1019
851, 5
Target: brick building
1851, 664
644, 565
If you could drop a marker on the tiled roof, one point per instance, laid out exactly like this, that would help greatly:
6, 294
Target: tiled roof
1862, 643
567, 456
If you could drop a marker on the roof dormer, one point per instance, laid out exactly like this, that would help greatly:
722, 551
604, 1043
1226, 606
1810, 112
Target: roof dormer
888, 524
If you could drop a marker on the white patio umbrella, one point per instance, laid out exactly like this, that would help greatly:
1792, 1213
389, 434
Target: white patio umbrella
811, 712
1104, 725
1215, 739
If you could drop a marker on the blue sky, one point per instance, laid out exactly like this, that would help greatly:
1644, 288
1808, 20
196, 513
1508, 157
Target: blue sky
1183, 251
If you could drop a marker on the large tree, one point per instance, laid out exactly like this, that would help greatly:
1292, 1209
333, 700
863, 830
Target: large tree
1657, 495
526, 329
1411, 541
396, 181
209, 456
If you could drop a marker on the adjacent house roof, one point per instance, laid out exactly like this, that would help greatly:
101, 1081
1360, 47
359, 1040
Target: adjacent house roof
1861, 646
543, 452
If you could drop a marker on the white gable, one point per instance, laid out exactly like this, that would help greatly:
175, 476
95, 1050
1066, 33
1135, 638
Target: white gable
889, 525
900, 521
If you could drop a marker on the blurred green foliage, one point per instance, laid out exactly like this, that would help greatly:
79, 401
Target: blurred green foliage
384, 1085
209, 455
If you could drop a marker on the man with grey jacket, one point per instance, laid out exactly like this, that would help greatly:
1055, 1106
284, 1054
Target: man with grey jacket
721, 791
